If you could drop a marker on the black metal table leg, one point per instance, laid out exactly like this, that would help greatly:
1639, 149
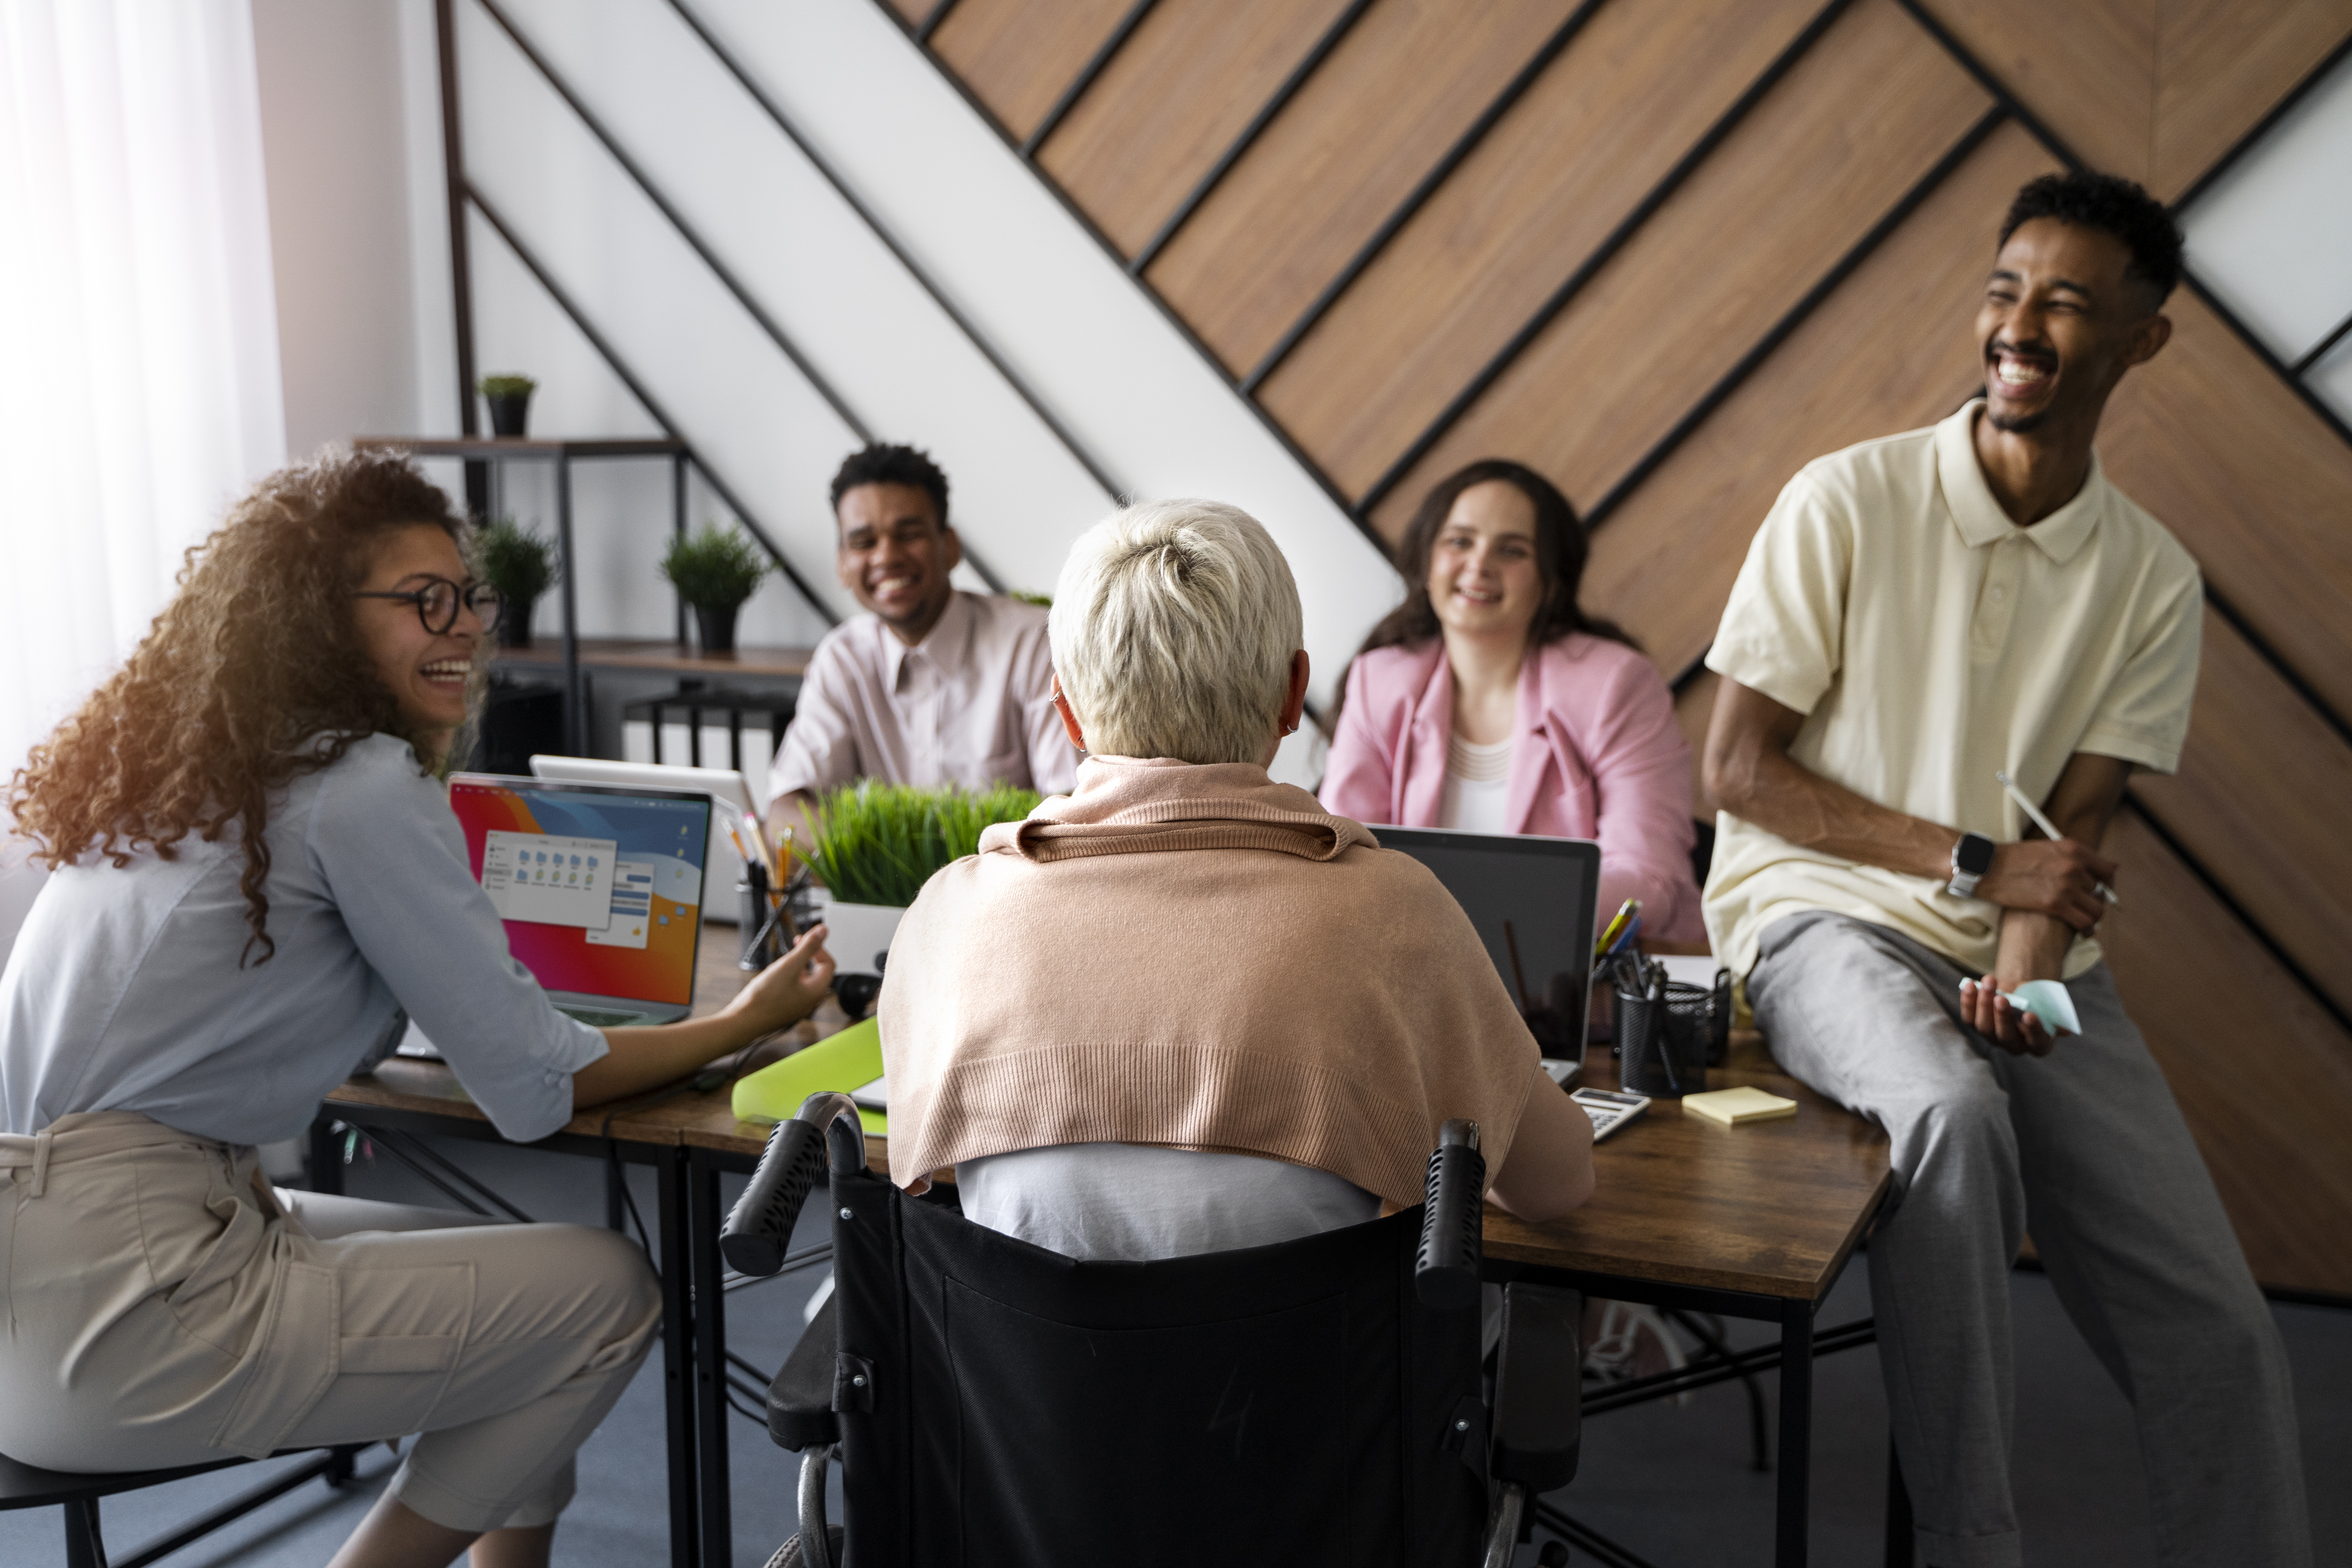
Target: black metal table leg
678, 1363
1795, 1497
710, 1363
85, 1547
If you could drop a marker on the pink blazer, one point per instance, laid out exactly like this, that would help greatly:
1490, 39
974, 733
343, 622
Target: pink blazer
1595, 753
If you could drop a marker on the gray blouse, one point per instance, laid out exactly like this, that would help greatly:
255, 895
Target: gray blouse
123, 991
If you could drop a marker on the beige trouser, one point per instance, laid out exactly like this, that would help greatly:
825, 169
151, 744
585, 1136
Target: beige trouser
159, 1306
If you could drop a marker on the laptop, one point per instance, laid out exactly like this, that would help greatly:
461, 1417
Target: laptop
731, 797
599, 886
1533, 902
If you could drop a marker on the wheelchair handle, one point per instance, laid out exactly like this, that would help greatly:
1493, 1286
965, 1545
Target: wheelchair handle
1445, 1272
759, 1226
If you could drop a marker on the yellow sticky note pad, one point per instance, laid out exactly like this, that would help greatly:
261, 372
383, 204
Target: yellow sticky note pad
848, 1061
1739, 1107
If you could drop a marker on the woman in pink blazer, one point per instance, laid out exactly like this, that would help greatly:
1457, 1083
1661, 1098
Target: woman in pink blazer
1488, 701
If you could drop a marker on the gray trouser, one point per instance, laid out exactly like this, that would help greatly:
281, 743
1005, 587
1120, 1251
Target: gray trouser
2086, 1146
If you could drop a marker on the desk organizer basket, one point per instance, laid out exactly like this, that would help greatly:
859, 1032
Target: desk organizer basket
1668, 1033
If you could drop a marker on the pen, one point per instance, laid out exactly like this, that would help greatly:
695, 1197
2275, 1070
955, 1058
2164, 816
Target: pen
1626, 912
1625, 938
759, 839
2049, 829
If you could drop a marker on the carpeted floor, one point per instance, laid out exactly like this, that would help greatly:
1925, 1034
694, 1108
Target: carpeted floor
1671, 1485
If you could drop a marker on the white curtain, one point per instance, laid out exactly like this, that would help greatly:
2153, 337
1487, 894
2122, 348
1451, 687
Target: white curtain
139, 371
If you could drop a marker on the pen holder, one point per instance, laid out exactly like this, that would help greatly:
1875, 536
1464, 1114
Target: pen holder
1713, 1004
763, 939
1663, 1034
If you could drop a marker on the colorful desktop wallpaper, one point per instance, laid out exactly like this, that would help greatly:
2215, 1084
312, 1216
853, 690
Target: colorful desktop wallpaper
601, 892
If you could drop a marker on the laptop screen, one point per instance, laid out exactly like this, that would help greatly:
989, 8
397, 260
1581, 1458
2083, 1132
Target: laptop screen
601, 889
1531, 901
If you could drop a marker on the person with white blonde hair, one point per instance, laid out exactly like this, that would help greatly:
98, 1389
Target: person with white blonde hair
1183, 1009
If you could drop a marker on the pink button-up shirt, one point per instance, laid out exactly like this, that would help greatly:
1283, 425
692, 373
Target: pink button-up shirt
1595, 753
971, 704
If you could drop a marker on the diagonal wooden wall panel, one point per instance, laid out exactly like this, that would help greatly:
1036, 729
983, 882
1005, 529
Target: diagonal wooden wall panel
1854, 127
1167, 107
1890, 350
1018, 55
2264, 1076
2252, 481
2086, 68
1410, 79
1641, 83
2260, 801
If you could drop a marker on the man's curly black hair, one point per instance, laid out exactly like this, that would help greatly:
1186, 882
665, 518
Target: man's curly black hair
883, 464
2111, 205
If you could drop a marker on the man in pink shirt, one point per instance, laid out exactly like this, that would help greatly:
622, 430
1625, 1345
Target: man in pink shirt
932, 685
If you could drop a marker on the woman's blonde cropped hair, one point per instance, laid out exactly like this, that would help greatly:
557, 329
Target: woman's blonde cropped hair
1173, 629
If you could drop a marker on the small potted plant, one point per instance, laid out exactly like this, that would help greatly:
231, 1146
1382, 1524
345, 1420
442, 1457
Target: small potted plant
509, 400
876, 845
521, 563
714, 570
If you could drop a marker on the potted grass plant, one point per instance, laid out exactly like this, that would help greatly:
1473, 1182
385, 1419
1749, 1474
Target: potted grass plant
509, 400
714, 570
521, 563
876, 845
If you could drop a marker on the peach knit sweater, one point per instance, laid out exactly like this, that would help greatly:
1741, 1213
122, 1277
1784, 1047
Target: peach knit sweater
1199, 958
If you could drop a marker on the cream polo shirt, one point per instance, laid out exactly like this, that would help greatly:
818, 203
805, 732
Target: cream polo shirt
1929, 641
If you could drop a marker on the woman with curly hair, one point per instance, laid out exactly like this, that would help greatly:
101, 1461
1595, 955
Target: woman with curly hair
257, 883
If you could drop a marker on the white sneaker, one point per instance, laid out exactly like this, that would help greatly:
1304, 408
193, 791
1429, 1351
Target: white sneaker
1633, 1342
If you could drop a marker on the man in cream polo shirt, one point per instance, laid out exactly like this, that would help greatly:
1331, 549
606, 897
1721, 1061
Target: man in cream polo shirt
1916, 613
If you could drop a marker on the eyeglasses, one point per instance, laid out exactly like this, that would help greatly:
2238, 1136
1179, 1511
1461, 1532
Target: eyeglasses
437, 602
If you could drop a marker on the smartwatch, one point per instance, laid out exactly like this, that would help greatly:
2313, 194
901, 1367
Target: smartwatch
1971, 858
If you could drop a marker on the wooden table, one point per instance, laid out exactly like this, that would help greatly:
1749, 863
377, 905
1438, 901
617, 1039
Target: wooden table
1756, 1222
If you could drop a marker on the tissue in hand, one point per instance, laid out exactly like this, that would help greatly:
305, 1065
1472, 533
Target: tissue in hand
2048, 1000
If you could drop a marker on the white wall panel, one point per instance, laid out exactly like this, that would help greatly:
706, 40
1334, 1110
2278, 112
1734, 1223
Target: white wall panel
751, 415
1055, 305
2273, 236
895, 358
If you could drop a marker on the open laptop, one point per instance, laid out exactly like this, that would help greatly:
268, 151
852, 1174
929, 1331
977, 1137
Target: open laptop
599, 886
1533, 902
730, 796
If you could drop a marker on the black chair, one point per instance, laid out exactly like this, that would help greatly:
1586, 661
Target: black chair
1319, 1401
29, 1485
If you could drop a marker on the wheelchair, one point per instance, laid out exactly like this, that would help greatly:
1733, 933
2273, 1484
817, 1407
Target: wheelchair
994, 1404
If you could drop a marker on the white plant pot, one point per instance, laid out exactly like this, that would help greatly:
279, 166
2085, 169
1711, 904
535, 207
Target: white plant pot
856, 932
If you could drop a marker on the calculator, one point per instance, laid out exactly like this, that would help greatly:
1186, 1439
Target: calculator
1608, 1109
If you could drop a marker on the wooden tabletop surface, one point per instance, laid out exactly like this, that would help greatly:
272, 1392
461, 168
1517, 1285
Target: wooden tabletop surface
1772, 1208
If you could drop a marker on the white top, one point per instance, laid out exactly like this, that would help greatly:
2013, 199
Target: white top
1477, 781
971, 704
1929, 641
123, 991
1136, 1202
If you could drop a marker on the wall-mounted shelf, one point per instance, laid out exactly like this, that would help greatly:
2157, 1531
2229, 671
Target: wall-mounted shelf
670, 657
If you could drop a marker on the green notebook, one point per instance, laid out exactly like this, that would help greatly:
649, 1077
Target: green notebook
848, 1061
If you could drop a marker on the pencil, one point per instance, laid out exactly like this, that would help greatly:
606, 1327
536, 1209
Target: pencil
2049, 829
1626, 912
